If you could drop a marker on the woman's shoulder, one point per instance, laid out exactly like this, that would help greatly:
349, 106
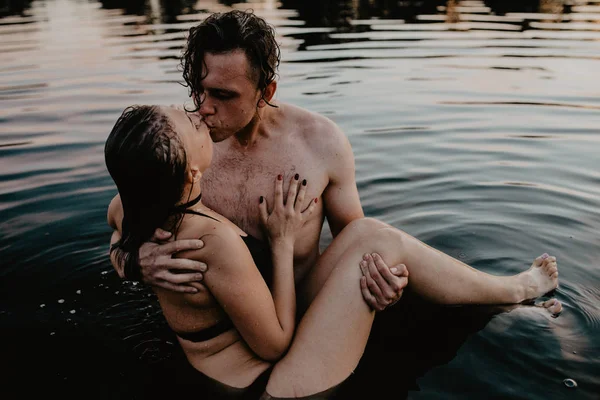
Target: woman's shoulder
220, 239
114, 214
195, 226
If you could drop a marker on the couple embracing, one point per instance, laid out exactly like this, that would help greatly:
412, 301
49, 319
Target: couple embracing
220, 210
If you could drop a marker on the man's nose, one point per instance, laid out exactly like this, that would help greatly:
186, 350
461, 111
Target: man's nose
206, 107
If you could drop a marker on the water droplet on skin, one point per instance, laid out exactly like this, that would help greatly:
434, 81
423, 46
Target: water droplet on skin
570, 383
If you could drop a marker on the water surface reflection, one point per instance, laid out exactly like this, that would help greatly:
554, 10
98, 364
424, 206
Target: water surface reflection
475, 128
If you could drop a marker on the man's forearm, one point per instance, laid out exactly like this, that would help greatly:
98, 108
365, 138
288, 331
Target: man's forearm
113, 259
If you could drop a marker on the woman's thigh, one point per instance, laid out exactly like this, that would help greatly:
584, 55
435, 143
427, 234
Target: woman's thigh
333, 332
358, 231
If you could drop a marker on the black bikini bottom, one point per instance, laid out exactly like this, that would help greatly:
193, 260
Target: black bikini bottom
324, 395
190, 381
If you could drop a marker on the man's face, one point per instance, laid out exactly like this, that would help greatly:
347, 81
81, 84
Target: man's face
230, 94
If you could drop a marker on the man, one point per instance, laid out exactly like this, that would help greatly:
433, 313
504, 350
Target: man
229, 65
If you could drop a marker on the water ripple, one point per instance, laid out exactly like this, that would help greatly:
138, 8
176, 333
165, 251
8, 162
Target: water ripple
521, 103
473, 126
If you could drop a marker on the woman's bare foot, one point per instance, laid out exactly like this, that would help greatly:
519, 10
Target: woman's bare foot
540, 279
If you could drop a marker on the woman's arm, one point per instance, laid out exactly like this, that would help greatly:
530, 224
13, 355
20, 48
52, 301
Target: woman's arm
265, 320
285, 219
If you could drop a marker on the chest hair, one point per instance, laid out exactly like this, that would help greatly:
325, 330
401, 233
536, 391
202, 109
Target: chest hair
234, 183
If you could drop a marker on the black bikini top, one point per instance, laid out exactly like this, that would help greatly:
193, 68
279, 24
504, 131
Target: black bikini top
261, 254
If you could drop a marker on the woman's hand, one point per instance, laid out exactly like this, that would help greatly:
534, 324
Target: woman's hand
287, 216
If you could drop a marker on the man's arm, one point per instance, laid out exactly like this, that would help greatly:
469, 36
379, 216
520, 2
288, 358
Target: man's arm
157, 266
116, 236
115, 217
342, 205
340, 198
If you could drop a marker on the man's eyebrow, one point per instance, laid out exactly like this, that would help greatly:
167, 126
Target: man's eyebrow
222, 90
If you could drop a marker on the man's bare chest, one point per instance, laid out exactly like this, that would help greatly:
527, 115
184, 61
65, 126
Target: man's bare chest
232, 185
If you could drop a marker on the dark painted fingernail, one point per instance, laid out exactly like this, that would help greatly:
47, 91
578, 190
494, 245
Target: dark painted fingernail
279, 177
296, 177
261, 199
304, 182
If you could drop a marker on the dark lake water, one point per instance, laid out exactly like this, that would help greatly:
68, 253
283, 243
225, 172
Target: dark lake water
475, 126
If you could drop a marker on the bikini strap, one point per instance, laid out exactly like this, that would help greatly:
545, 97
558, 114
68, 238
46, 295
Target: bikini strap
198, 213
184, 208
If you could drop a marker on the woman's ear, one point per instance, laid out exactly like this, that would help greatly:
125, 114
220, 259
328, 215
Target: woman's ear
268, 94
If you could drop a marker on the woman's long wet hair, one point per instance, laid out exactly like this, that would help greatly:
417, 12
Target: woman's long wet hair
148, 164
224, 32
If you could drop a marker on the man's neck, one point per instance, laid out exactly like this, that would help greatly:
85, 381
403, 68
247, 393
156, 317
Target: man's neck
256, 131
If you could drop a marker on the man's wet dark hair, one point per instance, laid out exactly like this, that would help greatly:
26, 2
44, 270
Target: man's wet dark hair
224, 32
147, 162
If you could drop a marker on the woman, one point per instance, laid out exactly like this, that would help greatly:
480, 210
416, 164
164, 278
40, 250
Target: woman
236, 330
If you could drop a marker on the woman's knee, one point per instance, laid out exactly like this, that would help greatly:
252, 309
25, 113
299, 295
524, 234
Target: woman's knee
371, 231
390, 243
363, 227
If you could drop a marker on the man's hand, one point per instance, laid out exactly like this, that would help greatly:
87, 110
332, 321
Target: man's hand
159, 268
381, 286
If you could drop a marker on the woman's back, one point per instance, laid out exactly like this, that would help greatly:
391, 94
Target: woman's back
205, 331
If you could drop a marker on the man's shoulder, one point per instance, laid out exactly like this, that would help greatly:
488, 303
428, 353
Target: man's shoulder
317, 129
307, 118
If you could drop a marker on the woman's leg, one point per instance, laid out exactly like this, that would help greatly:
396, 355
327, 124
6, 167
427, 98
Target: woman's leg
434, 275
332, 335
